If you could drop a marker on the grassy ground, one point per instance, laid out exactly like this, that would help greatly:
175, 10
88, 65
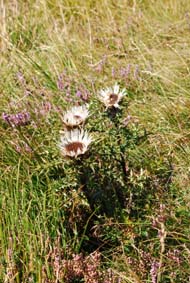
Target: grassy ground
121, 213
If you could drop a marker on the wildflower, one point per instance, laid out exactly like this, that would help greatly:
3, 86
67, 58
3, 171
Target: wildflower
75, 142
19, 119
44, 108
113, 72
75, 116
83, 94
100, 65
79, 93
154, 271
124, 72
21, 146
60, 84
111, 96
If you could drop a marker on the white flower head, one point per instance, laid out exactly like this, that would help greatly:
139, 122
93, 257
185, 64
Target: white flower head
76, 116
75, 142
111, 96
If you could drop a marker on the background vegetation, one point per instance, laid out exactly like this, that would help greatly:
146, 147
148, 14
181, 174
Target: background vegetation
121, 212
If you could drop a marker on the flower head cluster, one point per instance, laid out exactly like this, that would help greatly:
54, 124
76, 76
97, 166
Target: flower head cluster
75, 116
111, 96
75, 141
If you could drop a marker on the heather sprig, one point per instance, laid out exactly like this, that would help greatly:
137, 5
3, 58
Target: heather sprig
18, 119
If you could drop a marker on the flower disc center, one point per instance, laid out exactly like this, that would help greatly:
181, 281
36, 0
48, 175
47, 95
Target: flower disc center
78, 117
113, 98
74, 146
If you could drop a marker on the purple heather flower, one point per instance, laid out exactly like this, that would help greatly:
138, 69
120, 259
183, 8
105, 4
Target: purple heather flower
136, 72
27, 148
21, 78
124, 72
113, 72
5, 117
128, 69
60, 83
174, 256
63, 81
15, 120
69, 99
83, 94
154, 271
101, 63
79, 93
21, 147
45, 108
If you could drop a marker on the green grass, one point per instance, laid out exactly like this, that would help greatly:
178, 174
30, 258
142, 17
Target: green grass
128, 198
